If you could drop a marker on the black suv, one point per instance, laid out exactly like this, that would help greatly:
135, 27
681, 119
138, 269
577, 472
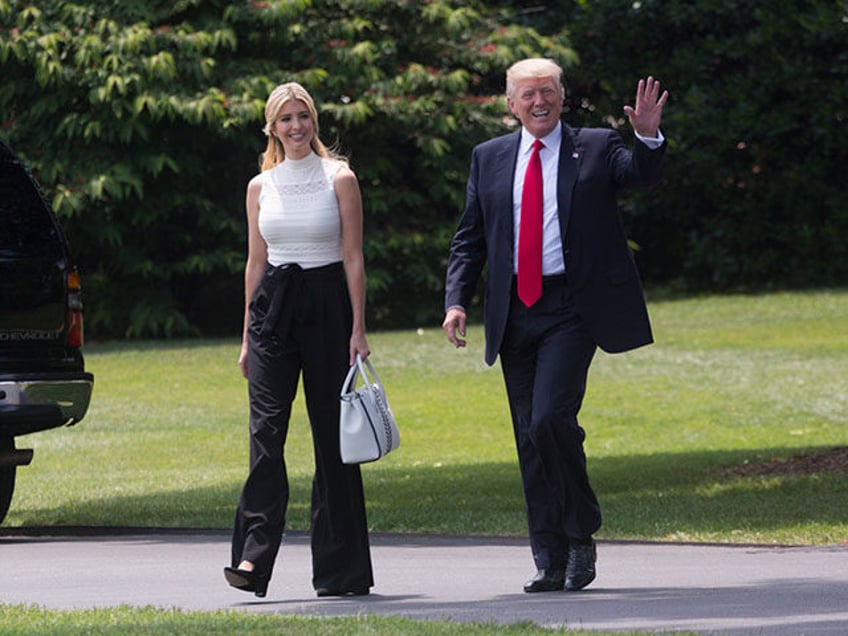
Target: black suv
43, 383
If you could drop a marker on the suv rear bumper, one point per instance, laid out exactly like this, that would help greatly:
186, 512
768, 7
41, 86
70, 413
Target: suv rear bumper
40, 401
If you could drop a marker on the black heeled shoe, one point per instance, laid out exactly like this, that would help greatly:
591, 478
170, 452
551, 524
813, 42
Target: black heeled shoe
247, 580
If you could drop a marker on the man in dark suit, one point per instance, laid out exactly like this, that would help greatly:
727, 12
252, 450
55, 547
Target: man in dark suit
561, 281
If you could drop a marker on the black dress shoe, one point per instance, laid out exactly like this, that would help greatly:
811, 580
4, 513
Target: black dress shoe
357, 591
581, 566
248, 580
550, 580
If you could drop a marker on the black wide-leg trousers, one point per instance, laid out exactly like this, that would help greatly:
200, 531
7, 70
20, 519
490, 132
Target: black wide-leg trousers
300, 323
545, 361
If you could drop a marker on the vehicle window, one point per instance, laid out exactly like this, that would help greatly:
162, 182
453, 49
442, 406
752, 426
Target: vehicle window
26, 225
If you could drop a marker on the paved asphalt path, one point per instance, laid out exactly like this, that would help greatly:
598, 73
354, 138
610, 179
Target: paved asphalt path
640, 586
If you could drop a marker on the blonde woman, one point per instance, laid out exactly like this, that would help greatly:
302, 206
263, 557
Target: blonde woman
304, 316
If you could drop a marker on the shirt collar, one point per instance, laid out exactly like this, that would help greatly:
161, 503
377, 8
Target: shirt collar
552, 140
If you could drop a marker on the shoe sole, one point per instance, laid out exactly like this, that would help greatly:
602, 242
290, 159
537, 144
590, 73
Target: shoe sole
236, 580
243, 583
543, 589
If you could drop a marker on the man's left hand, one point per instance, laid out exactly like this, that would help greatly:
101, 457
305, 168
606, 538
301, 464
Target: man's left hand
646, 114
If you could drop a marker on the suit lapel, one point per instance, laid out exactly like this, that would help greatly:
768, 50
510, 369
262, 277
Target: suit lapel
570, 156
505, 160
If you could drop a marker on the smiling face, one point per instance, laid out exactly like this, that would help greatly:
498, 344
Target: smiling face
537, 102
294, 128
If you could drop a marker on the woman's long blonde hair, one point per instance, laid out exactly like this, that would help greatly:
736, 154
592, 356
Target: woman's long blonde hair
279, 97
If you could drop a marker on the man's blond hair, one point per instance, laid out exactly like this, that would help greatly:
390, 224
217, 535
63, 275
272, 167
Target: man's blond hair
532, 67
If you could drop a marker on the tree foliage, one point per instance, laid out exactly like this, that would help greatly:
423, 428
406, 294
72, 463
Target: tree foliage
754, 195
144, 123
142, 119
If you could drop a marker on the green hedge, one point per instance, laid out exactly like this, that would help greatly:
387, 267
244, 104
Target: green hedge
755, 194
143, 124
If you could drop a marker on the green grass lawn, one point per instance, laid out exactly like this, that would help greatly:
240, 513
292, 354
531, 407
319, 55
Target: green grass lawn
128, 621
731, 381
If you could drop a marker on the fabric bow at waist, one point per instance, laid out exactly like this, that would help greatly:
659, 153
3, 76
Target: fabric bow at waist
284, 285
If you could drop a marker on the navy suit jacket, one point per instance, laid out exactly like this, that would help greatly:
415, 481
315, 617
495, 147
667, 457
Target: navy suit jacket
594, 165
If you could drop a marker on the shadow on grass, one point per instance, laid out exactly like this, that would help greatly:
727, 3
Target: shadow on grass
667, 495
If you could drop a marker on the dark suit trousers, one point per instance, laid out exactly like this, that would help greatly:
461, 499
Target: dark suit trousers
545, 360
300, 322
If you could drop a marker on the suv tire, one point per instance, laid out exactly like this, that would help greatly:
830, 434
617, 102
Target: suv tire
7, 477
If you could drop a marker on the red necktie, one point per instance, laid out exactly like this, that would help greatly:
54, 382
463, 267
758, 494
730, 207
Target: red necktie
530, 231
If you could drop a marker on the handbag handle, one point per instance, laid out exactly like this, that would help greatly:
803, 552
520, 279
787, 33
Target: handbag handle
359, 367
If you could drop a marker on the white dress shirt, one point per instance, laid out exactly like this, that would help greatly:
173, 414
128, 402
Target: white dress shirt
552, 262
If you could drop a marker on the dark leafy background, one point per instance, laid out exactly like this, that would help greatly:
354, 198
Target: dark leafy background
143, 125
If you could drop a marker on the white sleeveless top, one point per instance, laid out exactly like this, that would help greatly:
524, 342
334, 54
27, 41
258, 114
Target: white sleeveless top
299, 212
